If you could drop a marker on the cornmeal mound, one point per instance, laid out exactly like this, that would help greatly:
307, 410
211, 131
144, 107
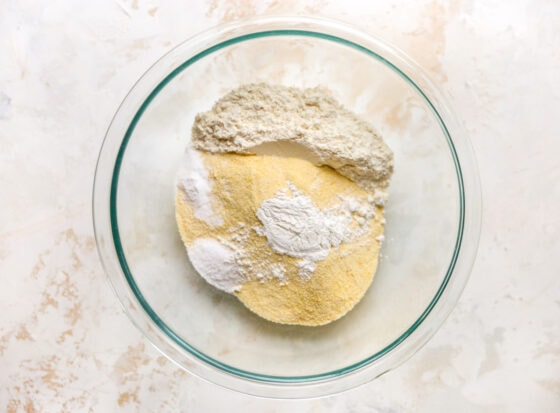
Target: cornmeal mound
240, 185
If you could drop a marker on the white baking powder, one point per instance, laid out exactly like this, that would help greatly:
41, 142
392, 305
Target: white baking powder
294, 226
193, 179
216, 263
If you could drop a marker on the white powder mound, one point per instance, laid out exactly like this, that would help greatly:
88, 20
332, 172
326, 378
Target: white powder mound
256, 114
194, 180
294, 226
216, 263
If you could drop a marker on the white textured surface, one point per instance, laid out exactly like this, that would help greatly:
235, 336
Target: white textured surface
65, 344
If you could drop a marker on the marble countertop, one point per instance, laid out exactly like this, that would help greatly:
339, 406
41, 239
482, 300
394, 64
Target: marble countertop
66, 345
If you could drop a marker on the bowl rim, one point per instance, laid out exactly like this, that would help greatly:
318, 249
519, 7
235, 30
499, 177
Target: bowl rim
137, 307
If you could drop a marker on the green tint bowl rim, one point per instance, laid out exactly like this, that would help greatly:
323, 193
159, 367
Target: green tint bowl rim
262, 384
130, 278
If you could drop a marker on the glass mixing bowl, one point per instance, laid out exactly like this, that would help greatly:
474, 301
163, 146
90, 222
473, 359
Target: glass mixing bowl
433, 214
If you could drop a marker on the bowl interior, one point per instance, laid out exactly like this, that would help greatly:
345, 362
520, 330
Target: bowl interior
423, 213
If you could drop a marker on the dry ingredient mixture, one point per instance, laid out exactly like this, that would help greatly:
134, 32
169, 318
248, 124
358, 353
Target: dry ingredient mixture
295, 239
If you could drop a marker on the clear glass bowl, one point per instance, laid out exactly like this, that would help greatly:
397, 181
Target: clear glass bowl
433, 215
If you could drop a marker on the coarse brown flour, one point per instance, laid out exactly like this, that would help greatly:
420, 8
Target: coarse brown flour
260, 113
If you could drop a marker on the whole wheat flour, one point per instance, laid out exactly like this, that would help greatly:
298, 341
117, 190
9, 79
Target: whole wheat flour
259, 113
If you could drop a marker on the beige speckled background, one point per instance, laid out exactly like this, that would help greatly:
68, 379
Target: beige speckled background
66, 346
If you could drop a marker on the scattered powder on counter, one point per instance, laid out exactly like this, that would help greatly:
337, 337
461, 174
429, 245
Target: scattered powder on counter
259, 113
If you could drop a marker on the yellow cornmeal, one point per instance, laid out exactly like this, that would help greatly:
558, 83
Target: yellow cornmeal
240, 184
